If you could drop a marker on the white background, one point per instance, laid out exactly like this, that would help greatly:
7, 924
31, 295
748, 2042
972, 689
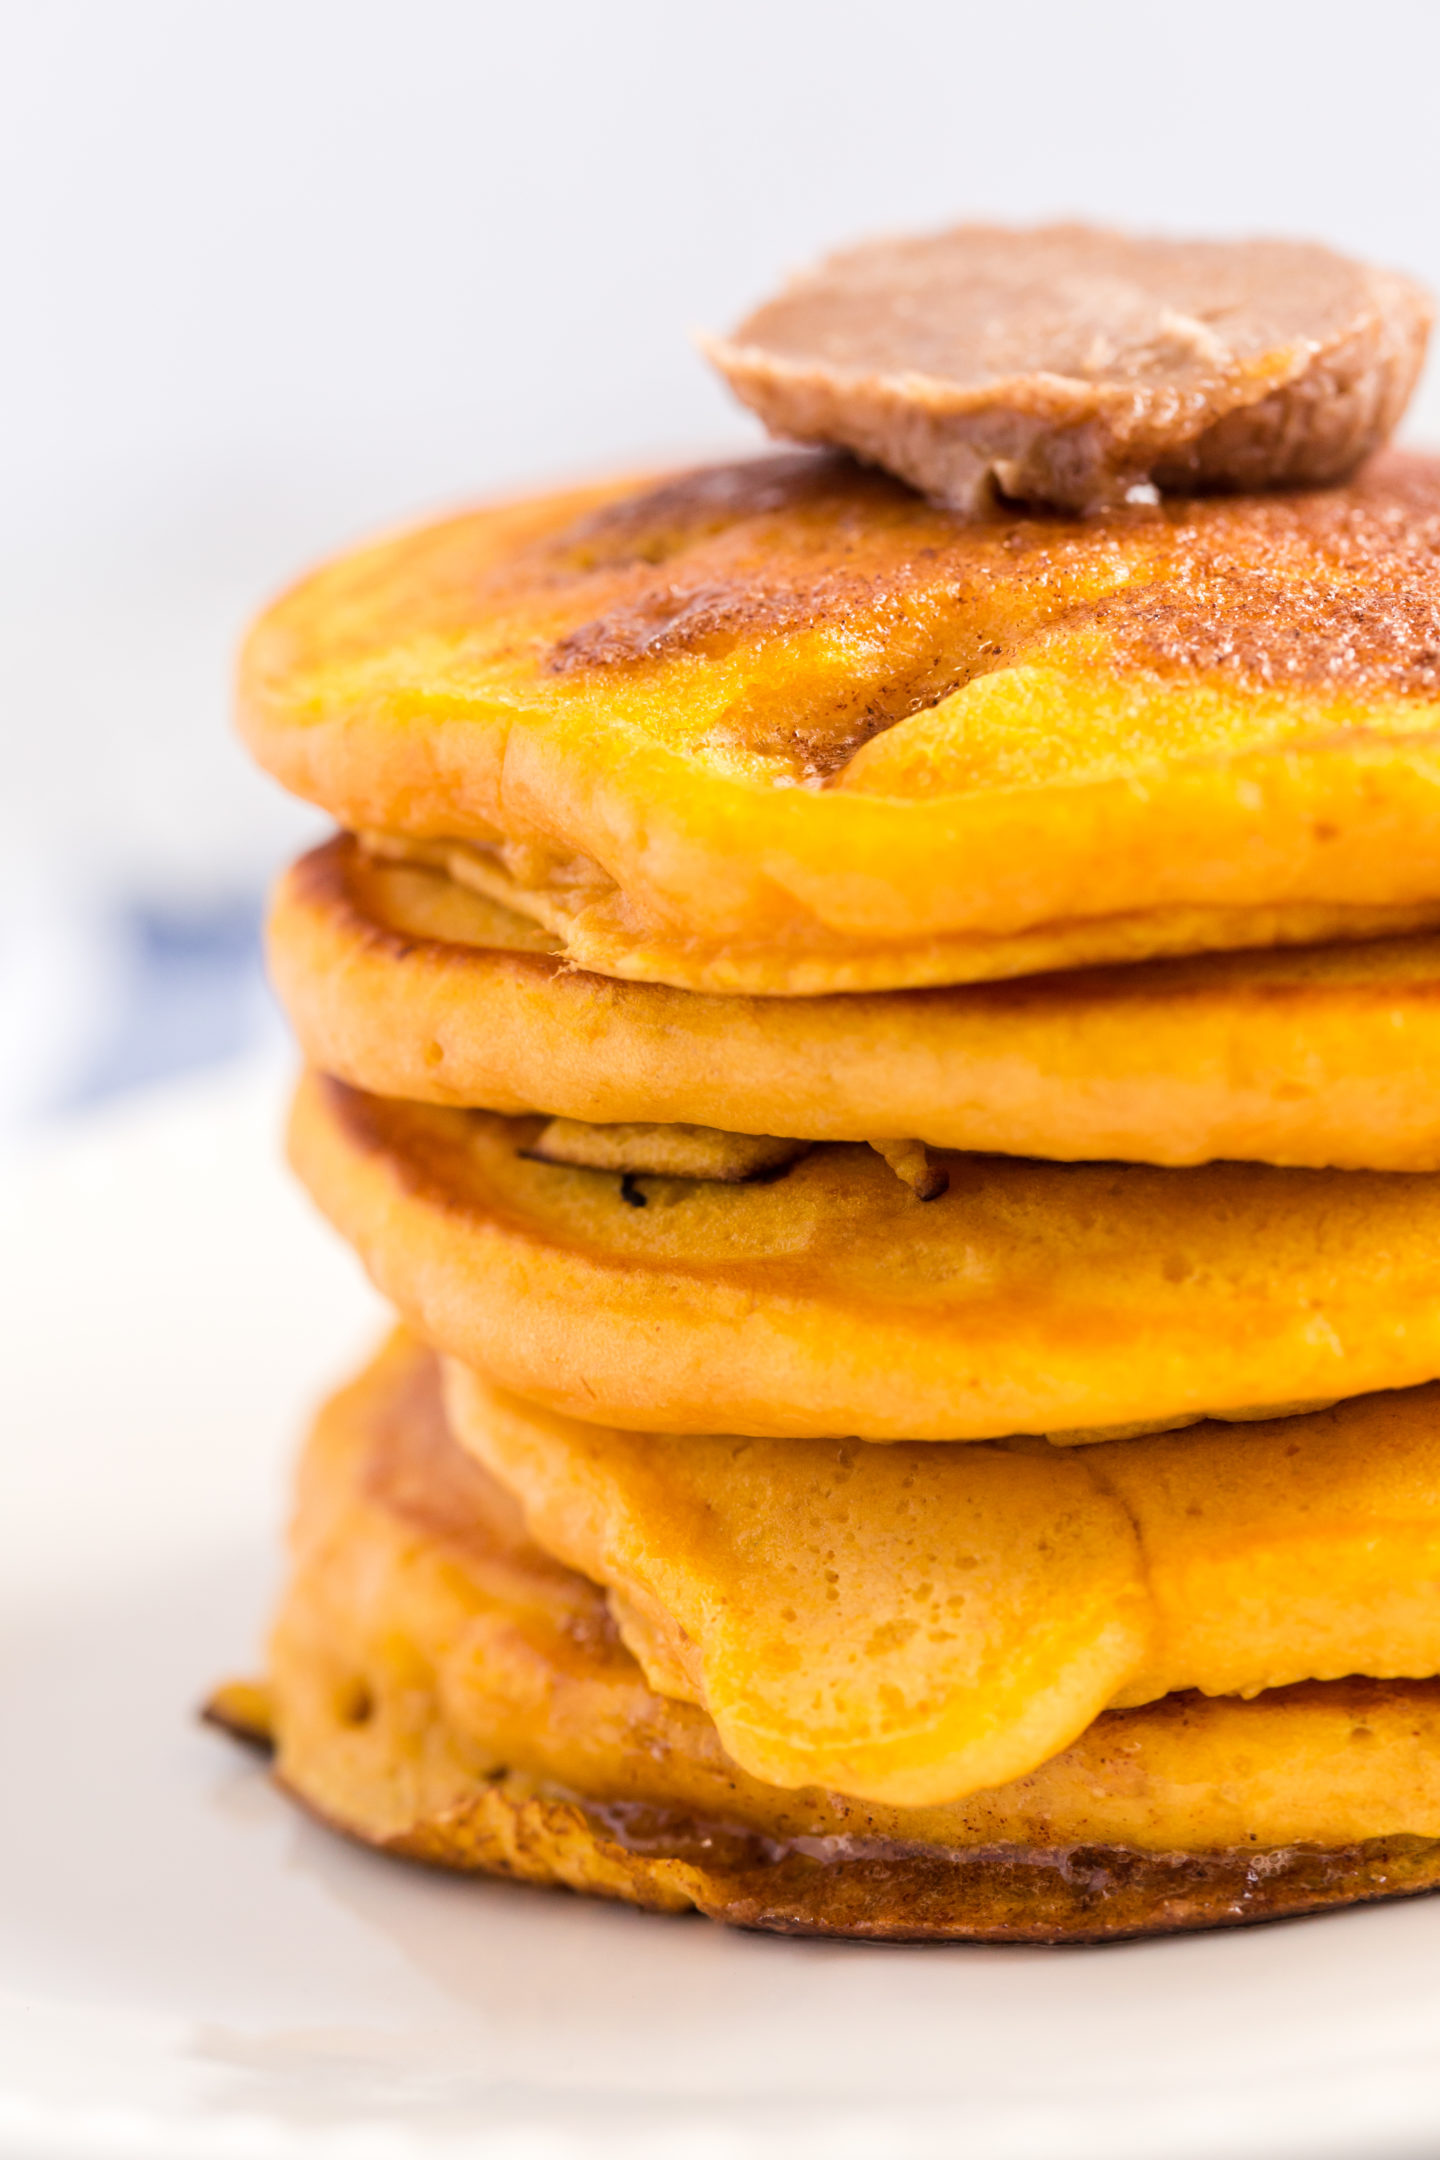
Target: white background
275, 271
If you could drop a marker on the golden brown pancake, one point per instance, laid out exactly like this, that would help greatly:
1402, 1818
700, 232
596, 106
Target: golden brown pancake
402, 982
1071, 365
911, 1624
783, 727
442, 1689
1067, 1299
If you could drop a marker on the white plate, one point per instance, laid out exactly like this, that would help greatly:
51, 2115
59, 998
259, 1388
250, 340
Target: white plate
187, 1968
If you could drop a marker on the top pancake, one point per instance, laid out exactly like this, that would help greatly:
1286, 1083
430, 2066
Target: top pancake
784, 727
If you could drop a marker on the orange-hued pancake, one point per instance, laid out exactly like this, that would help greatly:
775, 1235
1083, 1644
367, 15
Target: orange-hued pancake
405, 983
1033, 1297
910, 1624
442, 1689
783, 727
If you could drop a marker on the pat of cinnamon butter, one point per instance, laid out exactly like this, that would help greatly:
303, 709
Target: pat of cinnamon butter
1082, 368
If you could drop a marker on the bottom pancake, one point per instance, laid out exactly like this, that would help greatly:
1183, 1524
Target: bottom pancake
443, 1689
913, 1623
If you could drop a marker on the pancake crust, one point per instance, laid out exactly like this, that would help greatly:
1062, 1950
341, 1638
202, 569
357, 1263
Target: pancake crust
400, 981
914, 1623
784, 727
443, 1690
1032, 1298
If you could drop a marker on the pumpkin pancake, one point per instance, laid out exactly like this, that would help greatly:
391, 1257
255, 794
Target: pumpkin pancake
403, 982
784, 727
444, 1690
1033, 1297
911, 1624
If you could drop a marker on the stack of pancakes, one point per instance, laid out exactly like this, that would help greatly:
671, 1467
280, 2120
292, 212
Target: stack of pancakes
903, 1425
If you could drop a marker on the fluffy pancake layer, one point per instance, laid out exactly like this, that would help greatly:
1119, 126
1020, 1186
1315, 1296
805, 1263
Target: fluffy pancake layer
781, 726
443, 1689
1033, 1297
405, 983
910, 1624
